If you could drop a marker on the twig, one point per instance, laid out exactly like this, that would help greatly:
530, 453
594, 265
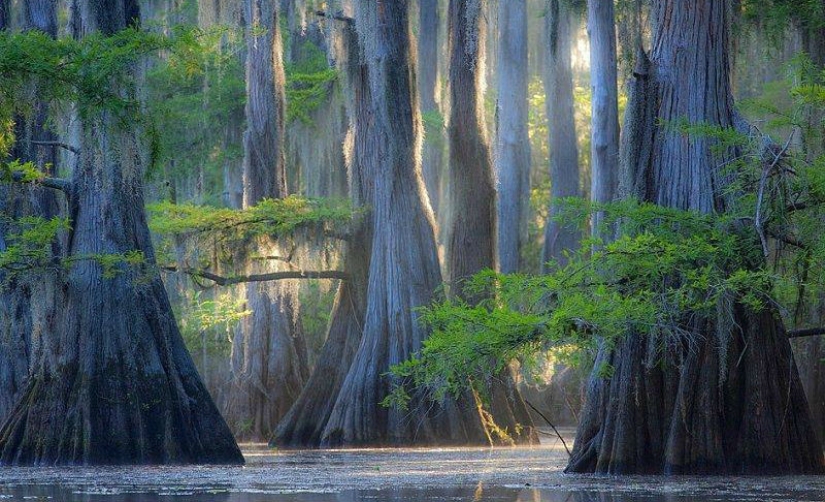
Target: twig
275, 276
558, 434
763, 181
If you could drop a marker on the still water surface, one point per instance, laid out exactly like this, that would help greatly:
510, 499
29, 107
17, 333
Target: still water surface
530, 474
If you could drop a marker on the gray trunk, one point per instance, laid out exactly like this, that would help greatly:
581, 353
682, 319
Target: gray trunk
114, 383
269, 353
564, 153
404, 269
512, 154
693, 408
304, 425
27, 303
604, 160
432, 164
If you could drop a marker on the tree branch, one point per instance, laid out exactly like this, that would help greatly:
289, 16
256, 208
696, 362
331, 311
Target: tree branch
274, 276
54, 183
800, 333
558, 434
337, 17
57, 144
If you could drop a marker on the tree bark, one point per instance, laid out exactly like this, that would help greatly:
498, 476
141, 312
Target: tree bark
115, 383
27, 305
432, 165
269, 352
512, 154
472, 243
725, 398
404, 268
564, 153
304, 425
604, 160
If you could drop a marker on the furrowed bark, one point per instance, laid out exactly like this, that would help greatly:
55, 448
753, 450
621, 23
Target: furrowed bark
115, 383
404, 269
269, 358
472, 242
726, 397
27, 304
604, 161
304, 425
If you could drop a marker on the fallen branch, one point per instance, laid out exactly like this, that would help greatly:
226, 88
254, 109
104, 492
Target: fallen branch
558, 434
274, 276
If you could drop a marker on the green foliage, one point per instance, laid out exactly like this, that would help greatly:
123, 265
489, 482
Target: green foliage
92, 72
26, 242
270, 217
668, 272
195, 94
207, 324
308, 83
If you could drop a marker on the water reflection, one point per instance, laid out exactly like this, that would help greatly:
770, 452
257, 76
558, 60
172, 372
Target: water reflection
478, 494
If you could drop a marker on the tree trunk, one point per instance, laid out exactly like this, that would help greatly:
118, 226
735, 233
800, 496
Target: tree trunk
27, 305
564, 153
512, 157
270, 361
404, 269
115, 383
604, 160
472, 228
810, 351
304, 425
726, 398
432, 165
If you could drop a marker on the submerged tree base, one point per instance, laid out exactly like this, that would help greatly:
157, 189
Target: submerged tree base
709, 406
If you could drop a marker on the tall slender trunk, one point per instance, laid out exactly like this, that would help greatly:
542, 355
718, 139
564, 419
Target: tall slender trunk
432, 165
305, 423
472, 227
114, 383
693, 409
604, 160
271, 367
564, 152
512, 154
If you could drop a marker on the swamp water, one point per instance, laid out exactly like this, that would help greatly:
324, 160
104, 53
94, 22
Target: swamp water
529, 474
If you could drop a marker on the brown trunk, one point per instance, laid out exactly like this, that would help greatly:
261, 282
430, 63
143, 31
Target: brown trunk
472, 228
726, 397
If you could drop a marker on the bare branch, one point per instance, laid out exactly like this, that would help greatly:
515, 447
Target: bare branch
337, 17
766, 171
54, 183
558, 434
800, 333
274, 276
57, 144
